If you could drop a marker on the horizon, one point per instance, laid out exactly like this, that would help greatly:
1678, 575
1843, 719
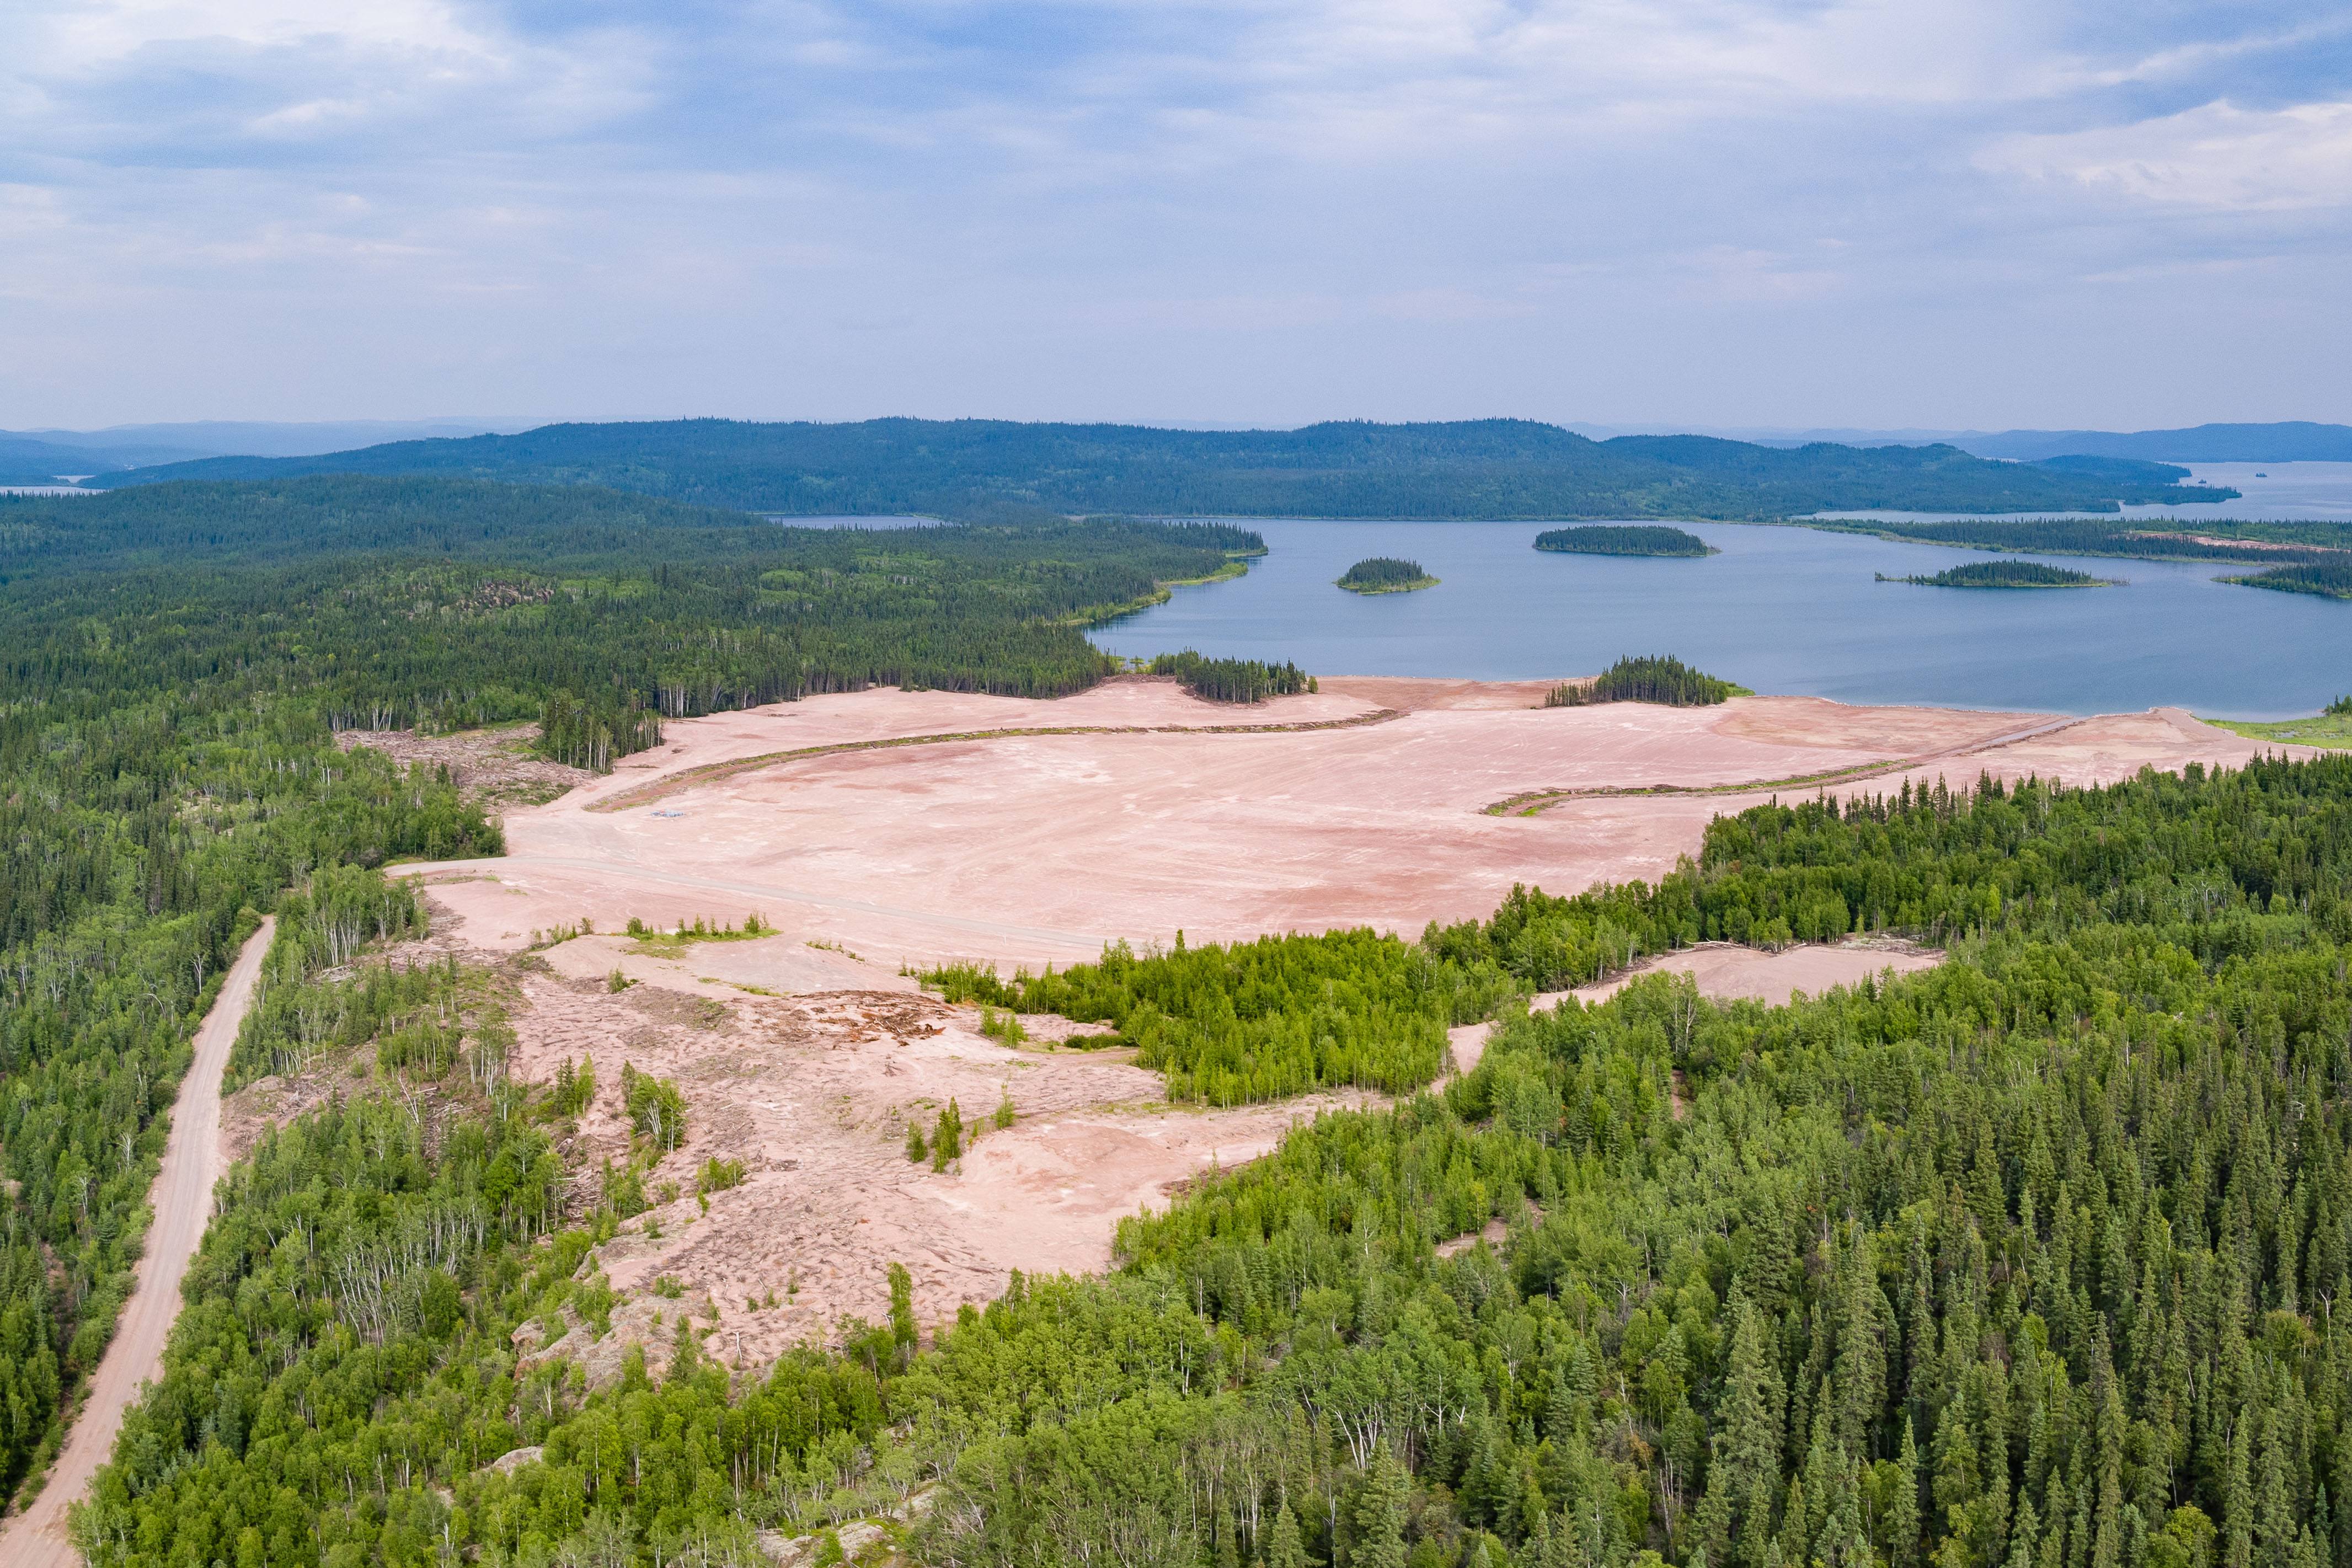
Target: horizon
467, 426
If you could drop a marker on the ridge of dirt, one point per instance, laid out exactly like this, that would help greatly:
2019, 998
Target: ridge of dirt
1532, 802
715, 772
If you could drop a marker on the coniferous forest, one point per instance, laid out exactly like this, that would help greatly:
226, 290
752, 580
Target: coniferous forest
996, 470
174, 662
2029, 1261
1623, 539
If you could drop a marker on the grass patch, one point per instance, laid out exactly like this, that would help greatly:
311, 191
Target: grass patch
2332, 727
657, 943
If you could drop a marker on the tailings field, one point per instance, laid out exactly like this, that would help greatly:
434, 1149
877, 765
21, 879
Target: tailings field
1036, 848
804, 1054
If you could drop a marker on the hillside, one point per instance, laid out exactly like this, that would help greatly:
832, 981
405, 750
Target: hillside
971, 469
2288, 441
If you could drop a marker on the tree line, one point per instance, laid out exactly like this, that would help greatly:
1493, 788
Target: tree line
2265, 542
1231, 680
1652, 679
2329, 578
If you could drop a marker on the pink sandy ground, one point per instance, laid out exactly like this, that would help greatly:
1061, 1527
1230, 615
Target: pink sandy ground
1042, 848
1032, 850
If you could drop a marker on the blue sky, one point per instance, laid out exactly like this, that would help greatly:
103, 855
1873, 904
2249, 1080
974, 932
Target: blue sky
1934, 212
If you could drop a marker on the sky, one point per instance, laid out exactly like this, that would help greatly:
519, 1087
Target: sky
1950, 213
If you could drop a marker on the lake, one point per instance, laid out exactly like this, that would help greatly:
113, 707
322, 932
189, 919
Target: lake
1782, 609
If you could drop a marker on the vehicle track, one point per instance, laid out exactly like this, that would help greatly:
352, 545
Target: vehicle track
182, 1204
620, 868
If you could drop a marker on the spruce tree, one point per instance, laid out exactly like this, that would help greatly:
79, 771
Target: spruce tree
1380, 1513
1284, 1549
1903, 1511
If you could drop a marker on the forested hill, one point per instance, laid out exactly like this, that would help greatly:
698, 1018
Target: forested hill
565, 527
980, 468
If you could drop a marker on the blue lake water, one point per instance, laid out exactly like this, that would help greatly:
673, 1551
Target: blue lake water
1783, 609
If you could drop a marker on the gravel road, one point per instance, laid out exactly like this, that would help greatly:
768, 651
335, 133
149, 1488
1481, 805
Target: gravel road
183, 1204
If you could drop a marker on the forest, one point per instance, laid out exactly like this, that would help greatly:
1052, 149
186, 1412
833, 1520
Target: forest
1660, 678
2025, 1261
176, 662
1385, 574
2330, 577
142, 836
2321, 541
2004, 574
445, 604
994, 470
1623, 539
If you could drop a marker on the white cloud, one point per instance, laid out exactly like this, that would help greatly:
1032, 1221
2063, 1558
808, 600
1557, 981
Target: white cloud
2218, 158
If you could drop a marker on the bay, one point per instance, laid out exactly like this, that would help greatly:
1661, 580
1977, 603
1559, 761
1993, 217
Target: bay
1783, 609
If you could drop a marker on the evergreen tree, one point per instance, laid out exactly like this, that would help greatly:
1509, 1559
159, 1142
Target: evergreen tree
1379, 1512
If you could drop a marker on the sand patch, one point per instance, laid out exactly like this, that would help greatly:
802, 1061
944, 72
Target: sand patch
813, 1093
1039, 849
1726, 972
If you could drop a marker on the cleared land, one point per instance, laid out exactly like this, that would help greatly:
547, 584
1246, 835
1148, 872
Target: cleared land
804, 1053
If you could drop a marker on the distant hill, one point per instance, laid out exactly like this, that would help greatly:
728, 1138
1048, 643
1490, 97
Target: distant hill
977, 469
42, 461
2293, 441
146, 443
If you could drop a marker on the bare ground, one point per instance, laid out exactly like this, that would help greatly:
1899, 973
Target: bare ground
805, 1053
494, 767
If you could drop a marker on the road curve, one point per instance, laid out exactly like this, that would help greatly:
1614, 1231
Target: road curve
183, 1204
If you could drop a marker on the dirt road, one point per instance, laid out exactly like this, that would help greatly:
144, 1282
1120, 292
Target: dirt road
183, 1204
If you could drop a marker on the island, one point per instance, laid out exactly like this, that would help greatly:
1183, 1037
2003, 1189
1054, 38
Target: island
1385, 574
2008, 574
2330, 579
1623, 539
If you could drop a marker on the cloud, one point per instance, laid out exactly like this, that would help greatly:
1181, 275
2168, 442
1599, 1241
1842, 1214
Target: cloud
1083, 207
2215, 158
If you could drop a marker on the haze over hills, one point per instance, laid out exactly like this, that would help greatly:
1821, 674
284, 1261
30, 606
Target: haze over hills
989, 468
41, 456
2290, 441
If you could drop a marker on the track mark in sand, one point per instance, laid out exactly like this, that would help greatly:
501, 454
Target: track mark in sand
1533, 802
181, 1203
712, 772
750, 889
1529, 803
